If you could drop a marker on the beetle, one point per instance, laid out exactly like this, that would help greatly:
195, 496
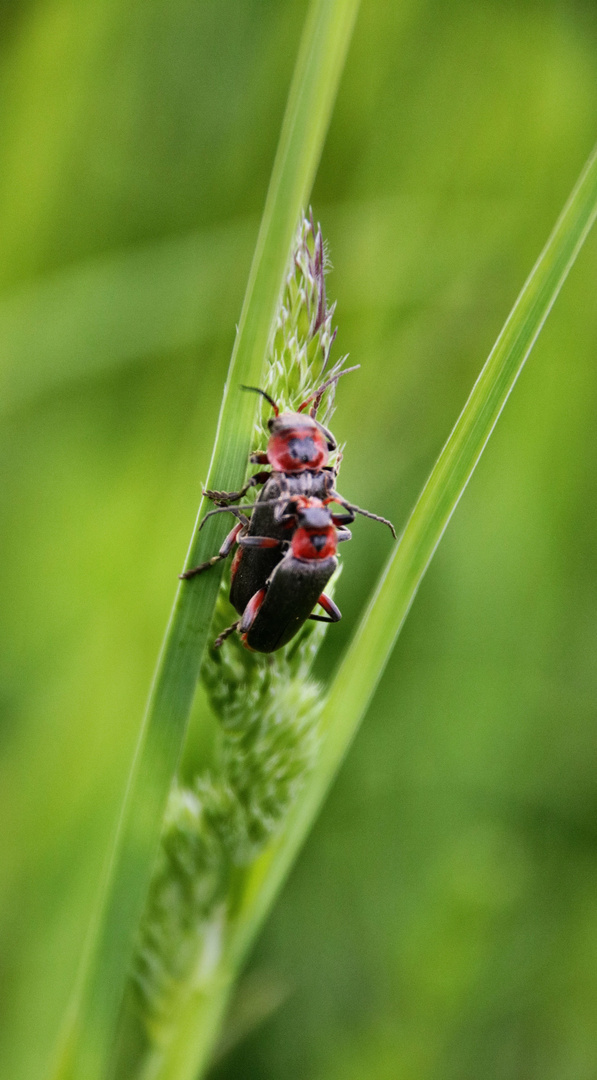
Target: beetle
298, 452
278, 609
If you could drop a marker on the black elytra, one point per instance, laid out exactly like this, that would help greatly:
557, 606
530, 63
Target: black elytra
293, 590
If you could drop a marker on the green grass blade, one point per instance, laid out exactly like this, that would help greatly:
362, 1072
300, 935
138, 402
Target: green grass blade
366, 657
89, 1040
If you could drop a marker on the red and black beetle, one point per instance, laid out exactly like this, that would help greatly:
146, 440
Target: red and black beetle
286, 600
298, 450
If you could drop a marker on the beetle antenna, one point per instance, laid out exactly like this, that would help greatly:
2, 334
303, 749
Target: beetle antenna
368, 514
256, 390
318, 394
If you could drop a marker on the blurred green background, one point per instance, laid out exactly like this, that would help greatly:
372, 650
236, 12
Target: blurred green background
441, 923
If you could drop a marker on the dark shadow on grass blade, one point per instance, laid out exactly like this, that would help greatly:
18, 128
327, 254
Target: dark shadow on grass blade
87, 1043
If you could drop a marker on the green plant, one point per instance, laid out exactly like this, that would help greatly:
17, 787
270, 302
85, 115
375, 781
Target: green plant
255, 887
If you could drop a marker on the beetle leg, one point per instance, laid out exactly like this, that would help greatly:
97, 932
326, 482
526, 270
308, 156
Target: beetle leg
340, 520
248, 616
333, 611
231, 496
261, 542
236, 510
259, 459
221, 638
223, 553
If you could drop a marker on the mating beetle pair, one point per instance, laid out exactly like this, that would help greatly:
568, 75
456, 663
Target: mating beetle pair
287, 548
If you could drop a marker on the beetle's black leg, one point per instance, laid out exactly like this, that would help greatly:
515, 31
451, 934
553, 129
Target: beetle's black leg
223, 553
223, 497
342, 519
333, 611
238, 512
221, 638
261, 542
259, 459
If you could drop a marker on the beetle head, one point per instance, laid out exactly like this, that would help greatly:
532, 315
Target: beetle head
297, 443
315, 535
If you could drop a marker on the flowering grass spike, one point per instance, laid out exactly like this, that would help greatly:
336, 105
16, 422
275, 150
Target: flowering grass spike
267, 710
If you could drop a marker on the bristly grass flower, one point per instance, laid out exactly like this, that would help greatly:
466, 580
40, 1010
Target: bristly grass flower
267, 707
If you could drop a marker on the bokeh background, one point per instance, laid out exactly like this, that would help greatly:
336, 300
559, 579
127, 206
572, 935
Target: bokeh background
441, 923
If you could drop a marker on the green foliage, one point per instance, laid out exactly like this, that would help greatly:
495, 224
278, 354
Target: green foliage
441, 920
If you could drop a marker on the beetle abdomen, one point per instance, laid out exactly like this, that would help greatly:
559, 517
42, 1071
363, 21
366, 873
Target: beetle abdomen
293, 591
